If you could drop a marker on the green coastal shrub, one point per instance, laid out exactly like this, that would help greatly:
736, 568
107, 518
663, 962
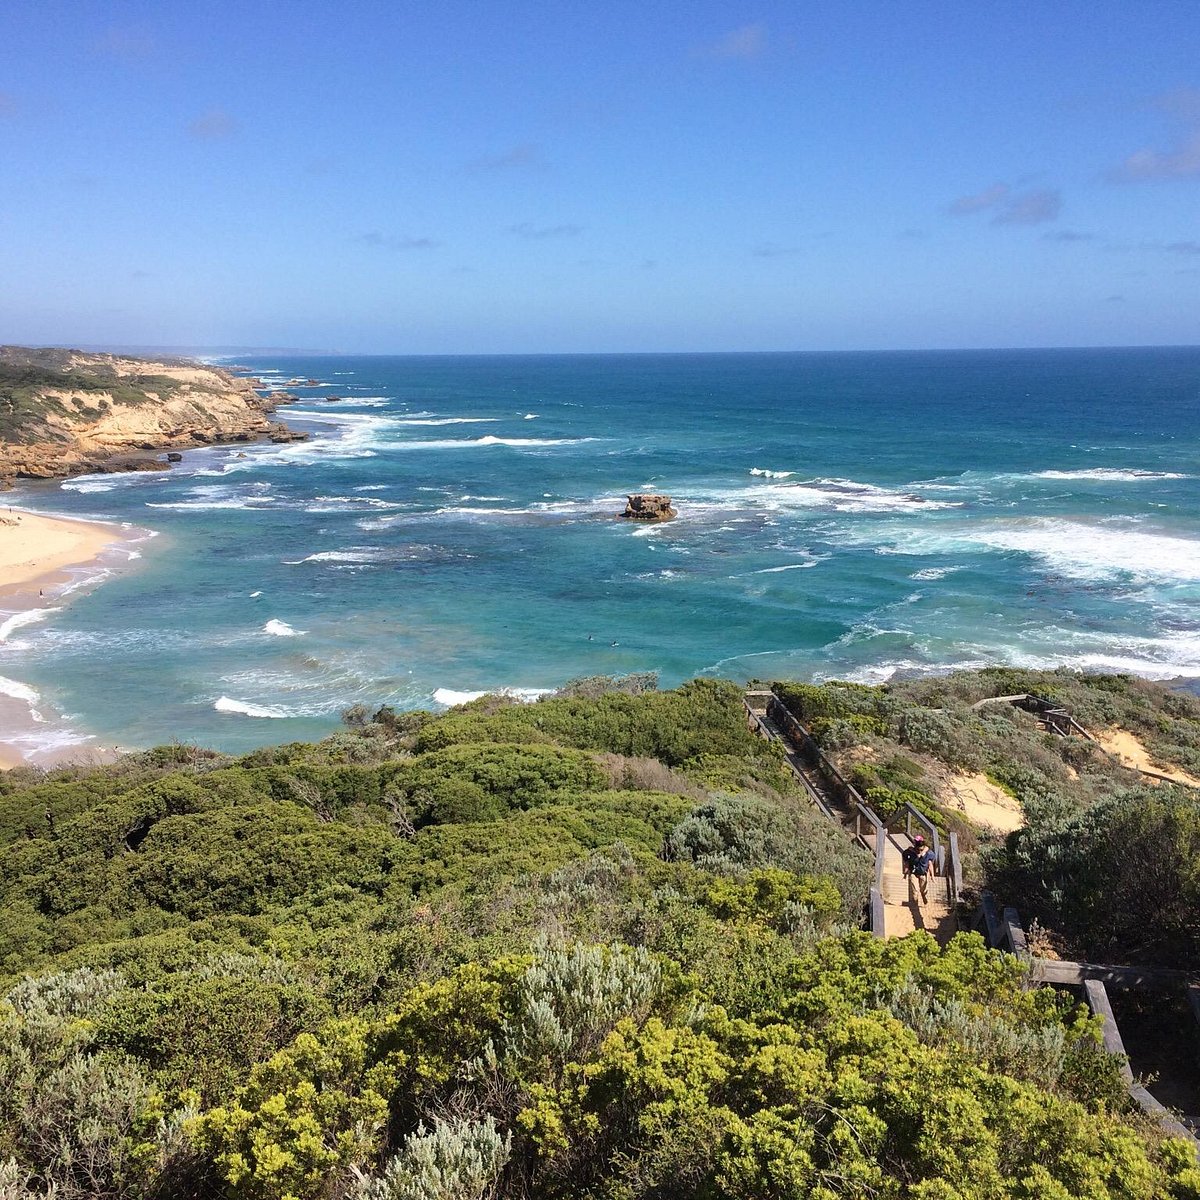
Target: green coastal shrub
452, 1160
740, 833
526, 951
1123, 876
516, 776
84, 1121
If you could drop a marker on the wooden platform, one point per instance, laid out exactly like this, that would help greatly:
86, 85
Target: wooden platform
903, 911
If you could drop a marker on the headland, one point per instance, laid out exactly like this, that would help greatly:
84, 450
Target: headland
66, 412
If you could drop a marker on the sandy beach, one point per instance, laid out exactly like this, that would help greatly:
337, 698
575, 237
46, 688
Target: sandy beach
34, 548
40, 557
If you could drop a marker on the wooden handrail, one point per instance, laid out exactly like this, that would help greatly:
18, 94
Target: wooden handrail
859, 811
955, 872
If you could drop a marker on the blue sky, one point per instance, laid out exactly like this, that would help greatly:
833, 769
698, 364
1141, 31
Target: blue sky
559, 176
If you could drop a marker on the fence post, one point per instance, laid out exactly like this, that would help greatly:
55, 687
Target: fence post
1096, 995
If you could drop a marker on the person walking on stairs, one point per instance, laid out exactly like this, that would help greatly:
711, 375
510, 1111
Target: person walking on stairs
919, 863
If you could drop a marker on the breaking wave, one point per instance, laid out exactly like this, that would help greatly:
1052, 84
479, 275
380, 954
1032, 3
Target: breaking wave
1110, 475
245, 709
21, 619
449, 697
18, 691
281, 629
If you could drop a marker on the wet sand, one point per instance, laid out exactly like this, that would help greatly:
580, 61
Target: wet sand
43, 558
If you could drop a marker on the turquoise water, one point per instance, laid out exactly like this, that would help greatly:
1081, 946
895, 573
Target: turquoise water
451, 528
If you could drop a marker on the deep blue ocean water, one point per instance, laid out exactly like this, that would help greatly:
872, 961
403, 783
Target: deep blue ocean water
452, 528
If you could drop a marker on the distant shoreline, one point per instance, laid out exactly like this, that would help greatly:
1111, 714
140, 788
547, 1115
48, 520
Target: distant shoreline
71, 413
44, 559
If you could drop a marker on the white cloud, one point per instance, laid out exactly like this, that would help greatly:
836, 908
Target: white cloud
1180, 162
125, 45
1031, 208
383, 241
1009, 207
745, 42
523, 157
528, 230
212, 126
979, 201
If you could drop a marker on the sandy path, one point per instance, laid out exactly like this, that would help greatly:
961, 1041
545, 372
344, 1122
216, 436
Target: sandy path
1132, 753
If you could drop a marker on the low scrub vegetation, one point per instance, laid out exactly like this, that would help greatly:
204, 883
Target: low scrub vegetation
595, 946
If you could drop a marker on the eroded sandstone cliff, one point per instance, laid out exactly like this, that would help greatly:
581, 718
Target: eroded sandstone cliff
66, 412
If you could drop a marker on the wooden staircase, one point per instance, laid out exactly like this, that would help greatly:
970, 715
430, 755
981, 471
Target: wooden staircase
895, 908
903, 911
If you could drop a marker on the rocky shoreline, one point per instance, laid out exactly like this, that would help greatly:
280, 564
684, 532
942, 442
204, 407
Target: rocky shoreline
66, 412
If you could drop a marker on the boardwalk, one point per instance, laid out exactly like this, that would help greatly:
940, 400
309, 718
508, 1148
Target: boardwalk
896, 909
903, 911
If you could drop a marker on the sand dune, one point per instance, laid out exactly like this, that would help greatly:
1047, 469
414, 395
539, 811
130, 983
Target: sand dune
983, 803
1125, 746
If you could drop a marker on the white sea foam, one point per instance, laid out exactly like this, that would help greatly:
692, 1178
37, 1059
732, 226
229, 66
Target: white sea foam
1165, 656
1097, 551
450, 697
84, 577
337, 416
329, 504
254, 595
771, 474
881, 672
227, 705
18, 691
364, 554
845, 495
217, 496
369, 555
789, 567
1102, 551
212, 505
466, 510
931, 573
530, 417
833, 495
1157, 656
89, 484
1110, 475
488, 440
21, 619
447, 420
281, 629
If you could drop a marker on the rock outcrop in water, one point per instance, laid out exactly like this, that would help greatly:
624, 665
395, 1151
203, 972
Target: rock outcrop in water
645, 506
65, 412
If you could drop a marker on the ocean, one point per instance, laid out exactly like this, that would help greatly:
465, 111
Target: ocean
453, 527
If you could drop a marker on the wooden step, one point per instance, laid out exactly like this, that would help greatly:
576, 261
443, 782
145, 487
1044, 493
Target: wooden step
896, 890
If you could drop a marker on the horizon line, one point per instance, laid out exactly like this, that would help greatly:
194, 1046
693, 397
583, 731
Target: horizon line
225, 351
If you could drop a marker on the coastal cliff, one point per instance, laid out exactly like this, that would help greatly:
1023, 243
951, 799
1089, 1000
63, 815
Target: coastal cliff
66, 412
